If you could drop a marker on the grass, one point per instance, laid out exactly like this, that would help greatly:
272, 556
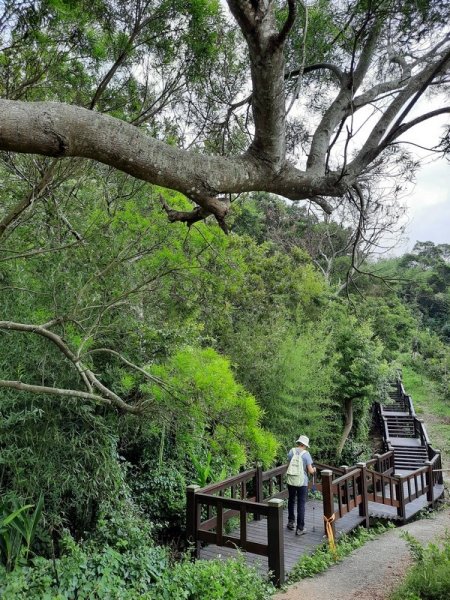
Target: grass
429, 578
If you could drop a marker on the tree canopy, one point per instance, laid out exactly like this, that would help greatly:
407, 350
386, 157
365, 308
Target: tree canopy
211, 102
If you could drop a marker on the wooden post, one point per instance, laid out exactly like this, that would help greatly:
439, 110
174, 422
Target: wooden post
192, 519
327, 494
378, 463
401, 508
440, 477
378, 468
275, 538
364, 506
430, 482
345, 497
258, 488
420, 432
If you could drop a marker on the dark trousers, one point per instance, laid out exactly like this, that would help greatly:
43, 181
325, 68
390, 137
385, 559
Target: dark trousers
301, 493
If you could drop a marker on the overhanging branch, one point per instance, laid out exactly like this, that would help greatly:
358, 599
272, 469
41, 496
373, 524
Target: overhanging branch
89, 378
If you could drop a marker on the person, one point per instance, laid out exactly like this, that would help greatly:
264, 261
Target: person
300, 466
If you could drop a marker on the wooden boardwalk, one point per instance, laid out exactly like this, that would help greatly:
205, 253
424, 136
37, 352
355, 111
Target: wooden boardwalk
296, 546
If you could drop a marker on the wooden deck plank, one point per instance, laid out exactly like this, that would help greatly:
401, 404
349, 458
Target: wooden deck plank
296, 546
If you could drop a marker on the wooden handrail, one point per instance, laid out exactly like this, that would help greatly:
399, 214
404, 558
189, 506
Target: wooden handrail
228, 483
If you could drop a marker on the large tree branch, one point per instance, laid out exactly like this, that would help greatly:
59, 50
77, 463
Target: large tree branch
338, 109
290, 75
258, 25
401, 129
366, 56
60, 130
289, 23
56, 129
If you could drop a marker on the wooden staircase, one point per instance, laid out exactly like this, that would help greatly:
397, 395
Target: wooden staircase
409, 458
403, 432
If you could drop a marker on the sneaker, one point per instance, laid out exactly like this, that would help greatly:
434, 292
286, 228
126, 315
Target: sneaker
300, 531
290, 525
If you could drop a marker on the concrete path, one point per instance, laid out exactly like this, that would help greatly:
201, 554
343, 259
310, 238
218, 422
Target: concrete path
372, 571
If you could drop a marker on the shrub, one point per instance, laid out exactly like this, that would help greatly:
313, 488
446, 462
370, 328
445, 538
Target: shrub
213, 580
429, 578
85, 572
17, 531
90, 573
160, 492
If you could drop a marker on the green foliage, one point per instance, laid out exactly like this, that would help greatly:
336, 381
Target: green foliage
85, 571
303, 400
214, 580
125, 573
361, 374
203, 470
159, 490
11, 538
210, 411
18, 532
429, 578
67, 452
392, 322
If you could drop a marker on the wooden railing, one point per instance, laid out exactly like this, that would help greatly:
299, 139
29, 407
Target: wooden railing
250, 495
210, 509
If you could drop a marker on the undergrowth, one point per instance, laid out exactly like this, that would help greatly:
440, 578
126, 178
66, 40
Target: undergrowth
429, 578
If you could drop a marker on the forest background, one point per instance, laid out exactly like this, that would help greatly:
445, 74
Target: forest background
202, 353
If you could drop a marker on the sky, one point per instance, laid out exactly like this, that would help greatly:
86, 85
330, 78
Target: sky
428, 201
429, 207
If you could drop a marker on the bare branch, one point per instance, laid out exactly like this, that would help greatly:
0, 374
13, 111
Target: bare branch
34, 194
147, 375
88, 377
289, 23
405, 126
41, 389
197, 214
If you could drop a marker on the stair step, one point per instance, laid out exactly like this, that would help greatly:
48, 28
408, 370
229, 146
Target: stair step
399, 431
410, 450
411, 455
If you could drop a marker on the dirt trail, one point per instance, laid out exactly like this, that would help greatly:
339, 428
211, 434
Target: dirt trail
372, 571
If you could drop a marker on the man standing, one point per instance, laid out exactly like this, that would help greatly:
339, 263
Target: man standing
300, 465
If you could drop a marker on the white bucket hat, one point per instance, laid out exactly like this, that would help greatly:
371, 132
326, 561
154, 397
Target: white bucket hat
303, 440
